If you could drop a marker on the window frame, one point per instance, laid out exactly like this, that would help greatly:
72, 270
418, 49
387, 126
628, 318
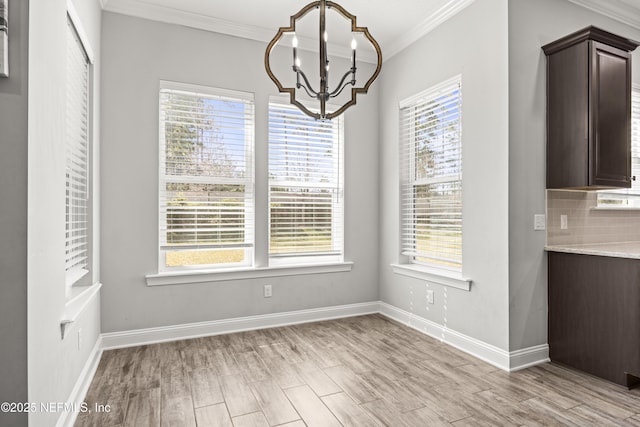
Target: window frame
408, 181
263, 266
82, 276
248, 181
336, 255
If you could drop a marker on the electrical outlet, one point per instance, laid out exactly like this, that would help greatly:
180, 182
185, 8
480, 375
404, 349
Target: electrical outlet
268, 291
539, 222
563, 222
79, 338
430, 296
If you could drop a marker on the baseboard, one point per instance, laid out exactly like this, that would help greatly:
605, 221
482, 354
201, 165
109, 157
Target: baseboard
531, 356
193, 330
79, 391
421, 324
508, 361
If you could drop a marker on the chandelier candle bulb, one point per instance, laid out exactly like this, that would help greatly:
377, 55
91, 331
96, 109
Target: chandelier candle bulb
296, 60
326, 75
353, 57
294, 43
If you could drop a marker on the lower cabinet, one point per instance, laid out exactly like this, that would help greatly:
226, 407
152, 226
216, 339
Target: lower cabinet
594, 315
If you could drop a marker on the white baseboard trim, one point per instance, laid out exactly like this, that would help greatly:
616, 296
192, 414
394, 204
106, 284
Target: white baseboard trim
79, 391
508, 361
425, 326
216, 327
531, 356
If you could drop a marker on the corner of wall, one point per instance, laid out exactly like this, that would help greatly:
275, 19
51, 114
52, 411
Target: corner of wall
13, 217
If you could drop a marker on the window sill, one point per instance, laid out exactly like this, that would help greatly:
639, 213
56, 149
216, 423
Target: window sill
75, 305
72, 277
199, 276
452, 279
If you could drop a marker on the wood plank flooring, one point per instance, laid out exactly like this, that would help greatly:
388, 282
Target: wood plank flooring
359, 371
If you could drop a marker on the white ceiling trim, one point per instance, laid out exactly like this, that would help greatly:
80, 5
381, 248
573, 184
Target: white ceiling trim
169, 15
615, 10
155, 12
142, 9
432, 22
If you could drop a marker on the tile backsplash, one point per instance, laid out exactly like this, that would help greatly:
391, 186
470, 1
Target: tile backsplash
585, 223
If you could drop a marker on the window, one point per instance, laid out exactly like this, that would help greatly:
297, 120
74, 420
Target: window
431, 176
305, 186
206, 177
77, 221
628, 198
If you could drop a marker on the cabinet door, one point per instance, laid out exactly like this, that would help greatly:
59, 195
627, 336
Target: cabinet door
610, 150
568, 117
594, 315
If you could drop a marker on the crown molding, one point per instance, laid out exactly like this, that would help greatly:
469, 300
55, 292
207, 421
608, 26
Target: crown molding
154, 12
170, 15
443, 14
615, 10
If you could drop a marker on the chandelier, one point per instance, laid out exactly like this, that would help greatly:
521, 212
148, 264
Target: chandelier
322, 92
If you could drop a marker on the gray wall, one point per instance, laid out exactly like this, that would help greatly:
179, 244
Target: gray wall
473, 44
54, 364
13, 217
137, 53
532, 24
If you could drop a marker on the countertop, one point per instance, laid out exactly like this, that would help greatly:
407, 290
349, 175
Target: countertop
619, 250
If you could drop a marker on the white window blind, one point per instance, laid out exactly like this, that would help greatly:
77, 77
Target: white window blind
431, 174
76, 158
305, 184
628, 197
206, 177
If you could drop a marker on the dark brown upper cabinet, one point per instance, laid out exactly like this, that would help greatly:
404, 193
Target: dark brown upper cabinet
589, 110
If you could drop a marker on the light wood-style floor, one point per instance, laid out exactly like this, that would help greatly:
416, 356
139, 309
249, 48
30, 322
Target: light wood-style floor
360, 371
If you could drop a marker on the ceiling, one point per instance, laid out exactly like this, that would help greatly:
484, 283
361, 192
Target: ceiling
394, 27
626, 11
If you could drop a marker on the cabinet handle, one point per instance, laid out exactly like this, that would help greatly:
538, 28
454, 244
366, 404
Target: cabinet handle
633, 178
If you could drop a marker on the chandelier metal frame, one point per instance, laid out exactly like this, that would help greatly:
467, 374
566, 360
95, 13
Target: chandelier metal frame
324, 93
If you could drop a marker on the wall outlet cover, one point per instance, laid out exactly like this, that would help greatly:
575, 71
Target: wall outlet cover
563, 222
430, 296
539, 222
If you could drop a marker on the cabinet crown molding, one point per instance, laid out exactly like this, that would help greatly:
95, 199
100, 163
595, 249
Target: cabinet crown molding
591, 33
